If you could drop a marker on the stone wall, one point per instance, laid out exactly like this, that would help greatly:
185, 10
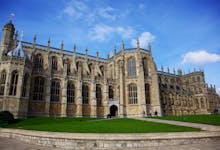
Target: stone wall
108, 141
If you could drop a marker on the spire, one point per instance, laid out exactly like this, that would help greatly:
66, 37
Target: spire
86, 55
35, 38
162, 69
174, 71
123, 48
149, 47
168, 69
11, 17
138, 44
48, 42
34, 41
179, 72
74, 49
114, 51
62, 45
97, 56
16, 35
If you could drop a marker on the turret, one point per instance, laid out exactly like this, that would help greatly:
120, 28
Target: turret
123, 48
179, 72
7, 35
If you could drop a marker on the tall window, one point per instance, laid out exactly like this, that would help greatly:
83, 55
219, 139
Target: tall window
55, 90
99, 95
110, 92
147, 93
131, 68
68, 68
38, 62
25, 85
85, 94
132, 93
54, 63
145, 66
70, 92
38, 88
14, 82
2, 84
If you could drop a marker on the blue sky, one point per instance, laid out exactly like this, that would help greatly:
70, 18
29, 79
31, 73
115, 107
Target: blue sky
183, 33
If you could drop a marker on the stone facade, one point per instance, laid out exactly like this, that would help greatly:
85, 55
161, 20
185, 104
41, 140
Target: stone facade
39, 80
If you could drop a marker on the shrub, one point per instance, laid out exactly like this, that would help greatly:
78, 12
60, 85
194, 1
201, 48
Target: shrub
6, 118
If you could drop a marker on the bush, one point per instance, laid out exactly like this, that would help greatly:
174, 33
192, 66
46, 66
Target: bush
6, 118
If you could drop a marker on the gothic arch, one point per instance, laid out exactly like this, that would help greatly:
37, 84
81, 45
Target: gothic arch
13, 83
2, 81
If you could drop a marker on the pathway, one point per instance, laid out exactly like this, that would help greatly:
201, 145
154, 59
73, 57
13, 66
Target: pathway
203, 127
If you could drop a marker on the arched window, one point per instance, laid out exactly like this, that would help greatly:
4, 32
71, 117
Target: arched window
85, 94
131, 68
14, 82
198, 78
90, 67
38, 88
54, 63
70, 92
3, 79
38, 62
99, 95
145, 66
68, 68
147, 93
24, 89
55, 90
132, 93
102, 69
110, 92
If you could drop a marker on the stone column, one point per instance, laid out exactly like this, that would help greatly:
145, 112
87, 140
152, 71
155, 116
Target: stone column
20, 83
47, 84
79, 93
154, 90
93, 104
28, 87
64, 98
140, 86
47, 96
64, 92
121, 110
105, 99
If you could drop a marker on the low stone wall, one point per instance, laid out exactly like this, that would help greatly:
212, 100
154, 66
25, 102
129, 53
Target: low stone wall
108, 141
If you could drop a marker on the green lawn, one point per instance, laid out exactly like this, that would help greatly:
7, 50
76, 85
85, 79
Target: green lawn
86, 125
205, 119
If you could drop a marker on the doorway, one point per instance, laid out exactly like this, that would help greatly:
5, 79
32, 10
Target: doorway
114, 111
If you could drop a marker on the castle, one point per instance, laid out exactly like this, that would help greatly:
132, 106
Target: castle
37, 80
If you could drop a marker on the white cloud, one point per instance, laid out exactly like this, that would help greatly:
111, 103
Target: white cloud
75, 9
125, 32
200, 57
107, 13
144, 39
102, 32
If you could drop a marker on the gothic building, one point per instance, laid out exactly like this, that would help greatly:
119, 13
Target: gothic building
38, 80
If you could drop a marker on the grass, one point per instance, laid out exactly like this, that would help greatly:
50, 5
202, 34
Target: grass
88, 125
204, 119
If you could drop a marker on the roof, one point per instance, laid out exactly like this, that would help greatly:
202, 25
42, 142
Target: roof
18, 52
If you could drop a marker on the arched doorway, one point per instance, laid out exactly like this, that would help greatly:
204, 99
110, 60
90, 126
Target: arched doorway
114, 111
